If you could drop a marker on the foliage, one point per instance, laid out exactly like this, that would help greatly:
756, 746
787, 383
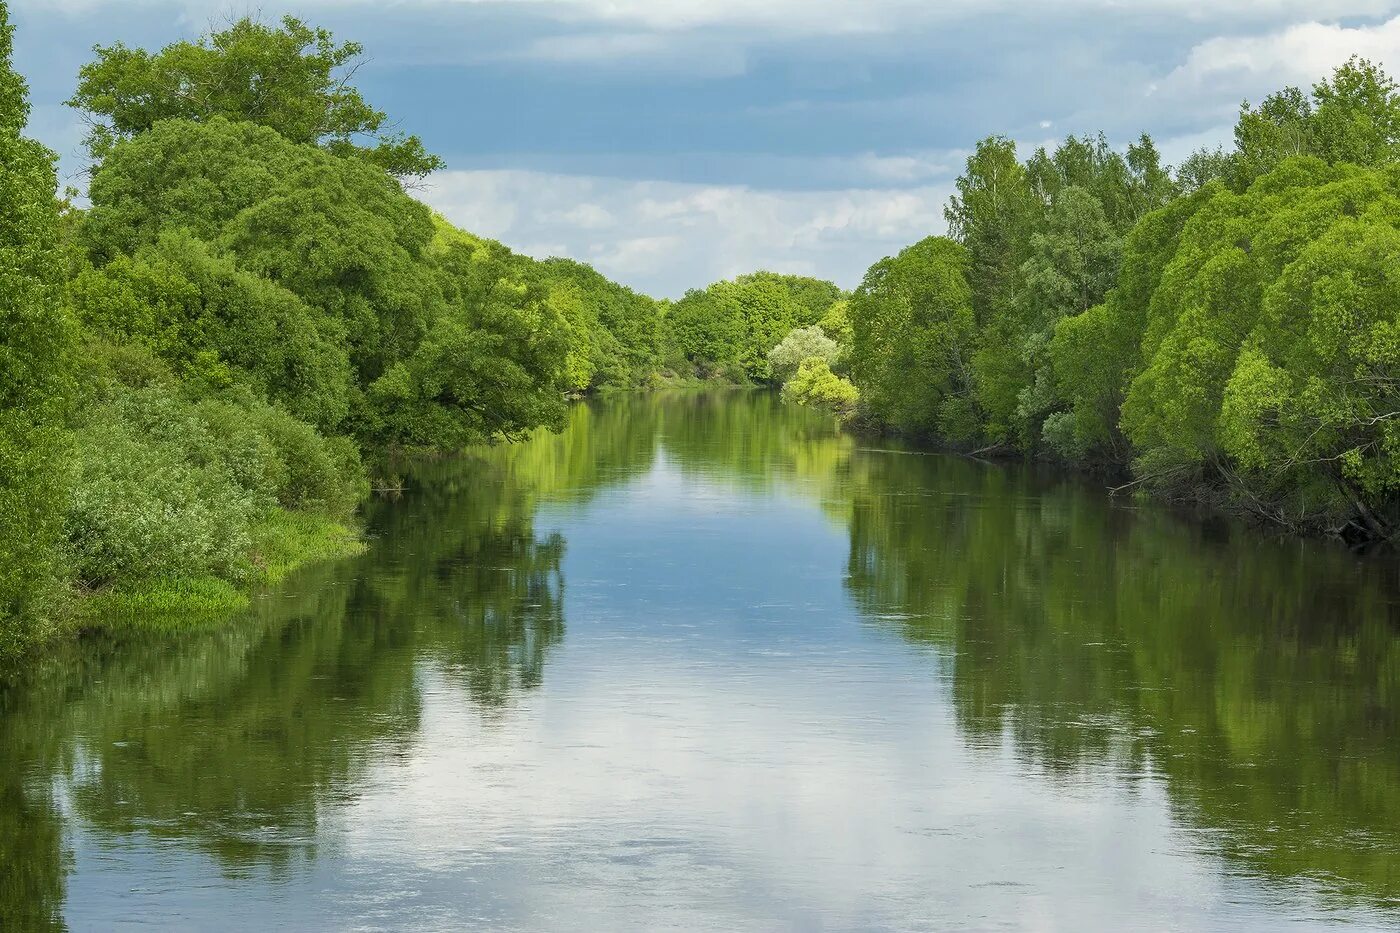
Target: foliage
258, 306
1353, 118
1227, 331
167, 488
732, 326
292, 78
1271, 344
836, 323
1094, 355
446, 342
913, 337
803, 343
34, 359
615, 332
219, 326
815, 384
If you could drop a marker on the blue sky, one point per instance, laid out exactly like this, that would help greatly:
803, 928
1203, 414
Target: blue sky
675, 142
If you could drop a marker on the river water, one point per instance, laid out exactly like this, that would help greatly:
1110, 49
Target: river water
702, 662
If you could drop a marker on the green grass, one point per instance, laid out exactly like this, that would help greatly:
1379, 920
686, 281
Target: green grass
164, 604
288, 540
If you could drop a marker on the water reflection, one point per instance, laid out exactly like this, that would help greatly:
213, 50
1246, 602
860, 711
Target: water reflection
807, 682
1259, 677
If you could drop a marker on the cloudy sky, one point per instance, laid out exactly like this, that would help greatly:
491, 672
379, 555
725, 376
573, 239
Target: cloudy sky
675, 142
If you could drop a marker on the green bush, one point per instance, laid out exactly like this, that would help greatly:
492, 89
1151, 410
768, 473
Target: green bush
168, 488
815, 384
141, 509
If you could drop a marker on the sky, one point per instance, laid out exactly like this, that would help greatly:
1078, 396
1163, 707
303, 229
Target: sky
672, 143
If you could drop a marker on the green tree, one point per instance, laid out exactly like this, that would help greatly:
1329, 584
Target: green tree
1268, 349
706, 332
730, 327
35, 389
1353, 117
802, 344
620, 329
992, 215
292, 78
913, 337
218, 326
491, 365
1095, 354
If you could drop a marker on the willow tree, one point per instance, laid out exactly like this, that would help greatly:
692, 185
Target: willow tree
1270, 347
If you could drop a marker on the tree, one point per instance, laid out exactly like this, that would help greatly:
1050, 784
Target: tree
337, 233
814, 295
1073, 263
1277, 129
1269, 348
491, 366
914, 334
1354, 117
1094, 355
732, 326
1202, 167
218, 326
620, 327
708, 333
800, 345
992, 215
294, 79
35, 388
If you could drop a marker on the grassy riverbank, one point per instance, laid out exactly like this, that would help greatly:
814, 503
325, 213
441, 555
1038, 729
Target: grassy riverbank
283, 542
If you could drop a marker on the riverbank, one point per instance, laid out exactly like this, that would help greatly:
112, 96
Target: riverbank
283, 542
1200, 502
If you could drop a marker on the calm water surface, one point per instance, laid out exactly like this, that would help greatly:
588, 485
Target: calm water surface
703, 663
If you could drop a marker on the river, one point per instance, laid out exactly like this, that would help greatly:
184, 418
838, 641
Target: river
703, 662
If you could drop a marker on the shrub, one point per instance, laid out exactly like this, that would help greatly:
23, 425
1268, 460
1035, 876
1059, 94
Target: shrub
802, 343
169, 488
815, 384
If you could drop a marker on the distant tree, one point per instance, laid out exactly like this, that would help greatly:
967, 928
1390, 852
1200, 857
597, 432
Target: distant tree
730, 327
814, 295
292, 78
801, 344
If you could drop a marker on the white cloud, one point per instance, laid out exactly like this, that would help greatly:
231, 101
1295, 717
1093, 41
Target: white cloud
1299, 54
823, 17
665, 237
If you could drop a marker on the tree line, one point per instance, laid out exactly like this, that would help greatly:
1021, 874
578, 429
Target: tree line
1225, 330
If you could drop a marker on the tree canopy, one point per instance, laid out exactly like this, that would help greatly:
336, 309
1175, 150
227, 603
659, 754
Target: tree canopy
292, 78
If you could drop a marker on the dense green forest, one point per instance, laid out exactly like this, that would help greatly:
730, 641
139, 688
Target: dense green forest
207, 364
1226, 330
